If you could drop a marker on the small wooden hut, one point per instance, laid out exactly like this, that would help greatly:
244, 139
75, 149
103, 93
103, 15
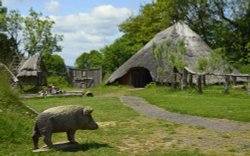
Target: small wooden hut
85, 78
33, 72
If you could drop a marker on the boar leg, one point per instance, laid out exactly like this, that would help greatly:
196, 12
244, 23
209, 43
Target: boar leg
71, 136
47, 140
35, 138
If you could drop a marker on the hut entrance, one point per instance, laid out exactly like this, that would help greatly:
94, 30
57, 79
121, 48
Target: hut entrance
140, 77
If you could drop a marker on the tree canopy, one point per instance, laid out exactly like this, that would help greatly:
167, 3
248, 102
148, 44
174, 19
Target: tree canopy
32, 34
55, 64
38, 37
93, 59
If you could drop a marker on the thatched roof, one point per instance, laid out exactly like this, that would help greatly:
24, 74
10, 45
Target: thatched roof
195, 48
30, 67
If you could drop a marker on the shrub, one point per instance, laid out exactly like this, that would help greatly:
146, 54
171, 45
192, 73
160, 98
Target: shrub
58, 81
151, 85
245, 69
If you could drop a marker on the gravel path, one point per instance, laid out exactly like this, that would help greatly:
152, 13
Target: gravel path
149, 110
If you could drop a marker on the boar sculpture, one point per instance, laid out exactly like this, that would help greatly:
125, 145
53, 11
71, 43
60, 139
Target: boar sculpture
62, 119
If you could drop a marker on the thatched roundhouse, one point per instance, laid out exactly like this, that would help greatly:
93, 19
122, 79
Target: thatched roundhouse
33, 71
141, 68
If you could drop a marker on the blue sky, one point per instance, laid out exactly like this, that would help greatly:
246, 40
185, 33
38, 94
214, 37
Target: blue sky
85, 24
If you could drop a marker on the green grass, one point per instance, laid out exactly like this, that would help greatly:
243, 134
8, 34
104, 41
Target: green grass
15, 132
123, 131
127, 127
212, 103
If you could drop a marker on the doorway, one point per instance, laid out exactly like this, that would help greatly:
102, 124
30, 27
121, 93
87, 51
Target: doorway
140, 77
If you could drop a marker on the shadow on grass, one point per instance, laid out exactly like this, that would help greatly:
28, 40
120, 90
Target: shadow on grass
85, 147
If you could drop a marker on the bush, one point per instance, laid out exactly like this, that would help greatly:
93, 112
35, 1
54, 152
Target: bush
245, 69
58, 81
151, 85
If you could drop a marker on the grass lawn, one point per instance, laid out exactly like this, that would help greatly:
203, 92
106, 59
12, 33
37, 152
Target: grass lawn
212, 103
123, 131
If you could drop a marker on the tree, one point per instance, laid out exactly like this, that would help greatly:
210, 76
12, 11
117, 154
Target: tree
6, 53
3, 11
118, 52
14, 25
37, 34
170, 54
55, 65
93, 59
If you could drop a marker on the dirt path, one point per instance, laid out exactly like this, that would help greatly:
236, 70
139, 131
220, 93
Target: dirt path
149, 110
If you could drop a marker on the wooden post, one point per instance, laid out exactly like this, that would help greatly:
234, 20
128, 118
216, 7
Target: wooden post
204, 80
199, 84
234, 78
174, 78
248, 86
184, 80
190, 80
226, 84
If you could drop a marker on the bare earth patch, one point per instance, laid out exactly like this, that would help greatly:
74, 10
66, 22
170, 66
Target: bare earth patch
106, 124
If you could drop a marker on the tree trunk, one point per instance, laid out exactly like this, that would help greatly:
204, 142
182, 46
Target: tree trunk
226, 84
199, 84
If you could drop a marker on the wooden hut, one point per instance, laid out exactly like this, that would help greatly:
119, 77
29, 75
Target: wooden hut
85, 78
33, 72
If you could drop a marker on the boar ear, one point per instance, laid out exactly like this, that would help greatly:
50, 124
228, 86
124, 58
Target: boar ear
87, 110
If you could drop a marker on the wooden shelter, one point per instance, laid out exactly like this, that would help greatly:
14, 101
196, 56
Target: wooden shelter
33, 71
142, 67
85, 78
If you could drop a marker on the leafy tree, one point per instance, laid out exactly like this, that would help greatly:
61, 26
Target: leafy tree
170, 54
119, 52
153, 18
37, 34
14, 25
55, 65
93, 59
202, 64
3, 11
6, 53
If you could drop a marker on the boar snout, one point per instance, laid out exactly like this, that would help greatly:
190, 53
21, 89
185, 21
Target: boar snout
93, 126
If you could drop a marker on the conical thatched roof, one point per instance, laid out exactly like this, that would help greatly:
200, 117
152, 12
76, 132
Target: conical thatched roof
30, 66
195, 48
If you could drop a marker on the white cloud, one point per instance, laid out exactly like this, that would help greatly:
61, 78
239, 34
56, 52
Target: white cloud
86, 31
52, 6
9, 2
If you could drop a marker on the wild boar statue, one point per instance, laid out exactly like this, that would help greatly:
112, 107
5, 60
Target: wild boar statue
62, 119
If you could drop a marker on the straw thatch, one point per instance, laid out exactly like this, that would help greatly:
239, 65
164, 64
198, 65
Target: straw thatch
195, 48
30, 67
33, 71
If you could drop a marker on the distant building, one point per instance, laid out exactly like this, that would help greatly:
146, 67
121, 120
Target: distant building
85, 78
33, 71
